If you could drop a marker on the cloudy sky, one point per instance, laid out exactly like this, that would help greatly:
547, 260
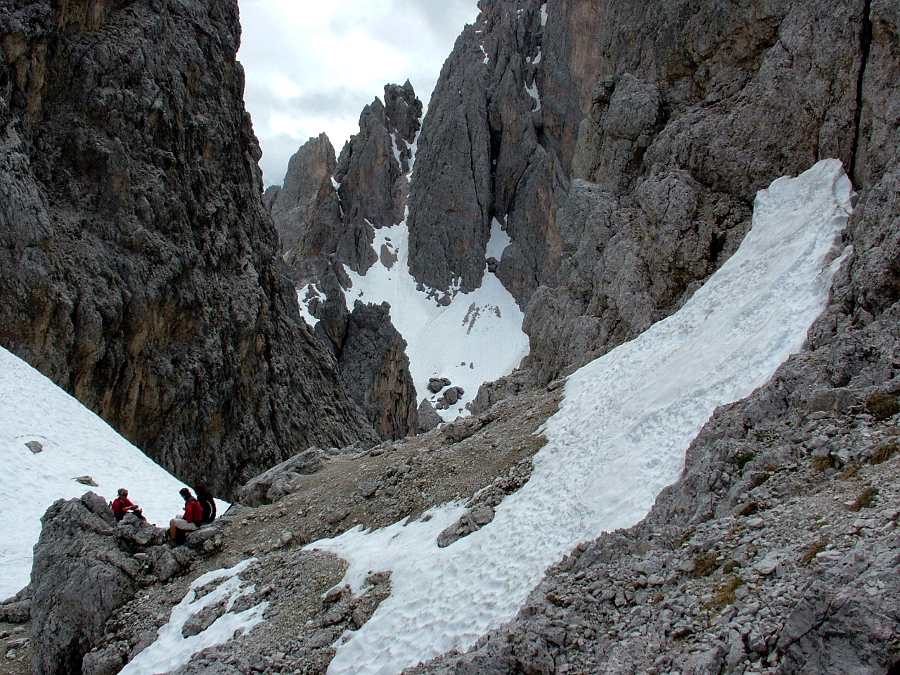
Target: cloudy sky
312, 66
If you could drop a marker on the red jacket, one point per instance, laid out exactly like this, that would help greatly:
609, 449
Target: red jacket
193, 512
120, 507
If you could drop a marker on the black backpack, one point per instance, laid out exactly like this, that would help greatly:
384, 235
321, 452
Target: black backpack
209, 507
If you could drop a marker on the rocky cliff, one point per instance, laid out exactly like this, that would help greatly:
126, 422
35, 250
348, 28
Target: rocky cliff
765, 556
139, 265
651, 126
326, 213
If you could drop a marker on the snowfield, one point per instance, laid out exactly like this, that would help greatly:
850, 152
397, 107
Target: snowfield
619, 437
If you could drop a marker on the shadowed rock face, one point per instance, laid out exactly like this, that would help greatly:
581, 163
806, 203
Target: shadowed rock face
139, 267
375, 371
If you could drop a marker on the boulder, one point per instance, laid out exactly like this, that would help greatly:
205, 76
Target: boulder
279, 480
79, 579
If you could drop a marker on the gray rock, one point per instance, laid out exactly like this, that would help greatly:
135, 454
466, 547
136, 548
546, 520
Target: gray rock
107, 661
435, 384
427, 416
162, 563
79, 579
270, 485
461, 429
374, 369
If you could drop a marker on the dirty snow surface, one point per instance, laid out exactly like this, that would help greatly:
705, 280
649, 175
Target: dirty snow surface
73, 442
618, 439
172, 650
477, 338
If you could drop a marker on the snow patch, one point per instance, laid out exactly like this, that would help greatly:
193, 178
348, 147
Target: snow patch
619, 437
467, 347
498, 242
171, 650
532, 91
305, 297
544, 14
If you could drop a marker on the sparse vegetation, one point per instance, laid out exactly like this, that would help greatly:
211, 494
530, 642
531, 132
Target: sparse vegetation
884, 452
812, 551
704, 564
730, 566
822, 463
745, 459
865, 499
685, 537
882, 405
723, 594
849, 472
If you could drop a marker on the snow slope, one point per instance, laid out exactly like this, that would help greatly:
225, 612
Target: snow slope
75, 443
477, 338
619, 437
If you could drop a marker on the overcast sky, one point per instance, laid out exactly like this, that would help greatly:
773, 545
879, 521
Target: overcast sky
312, 66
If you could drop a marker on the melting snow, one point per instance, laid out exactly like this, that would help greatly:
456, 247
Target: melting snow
477, 338
171, 650
74, 442
305, 296
532, 91
617, 440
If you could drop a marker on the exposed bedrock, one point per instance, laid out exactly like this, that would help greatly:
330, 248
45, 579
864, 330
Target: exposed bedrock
374, 368
774, 551
139, 267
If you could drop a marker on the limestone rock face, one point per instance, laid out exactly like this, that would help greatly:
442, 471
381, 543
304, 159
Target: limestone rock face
375, 371
139, 267
79, 578
373, 165
481, 157
306, 194
332, 209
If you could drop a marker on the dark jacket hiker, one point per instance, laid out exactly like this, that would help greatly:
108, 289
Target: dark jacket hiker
207, 503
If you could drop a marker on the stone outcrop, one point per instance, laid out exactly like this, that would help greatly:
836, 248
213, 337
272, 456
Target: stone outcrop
306, 196
374, 369
139, 267
481, 156
327, 208
327, 211
79, 578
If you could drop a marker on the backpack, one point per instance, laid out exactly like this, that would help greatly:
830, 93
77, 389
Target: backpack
209, 508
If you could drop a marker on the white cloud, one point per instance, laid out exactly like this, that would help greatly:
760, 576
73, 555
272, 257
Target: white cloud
312, 66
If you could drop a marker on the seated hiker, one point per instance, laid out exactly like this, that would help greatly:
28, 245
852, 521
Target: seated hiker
189, 521
122, 505
207, 503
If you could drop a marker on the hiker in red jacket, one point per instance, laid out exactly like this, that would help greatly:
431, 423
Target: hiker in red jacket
189, 521
122, 505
